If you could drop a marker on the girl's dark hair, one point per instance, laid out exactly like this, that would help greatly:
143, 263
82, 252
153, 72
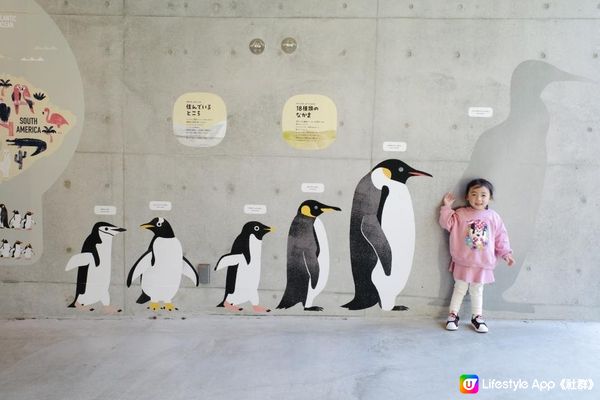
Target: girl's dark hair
480, 182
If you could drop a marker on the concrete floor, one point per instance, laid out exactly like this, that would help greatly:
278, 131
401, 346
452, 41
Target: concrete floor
219, 357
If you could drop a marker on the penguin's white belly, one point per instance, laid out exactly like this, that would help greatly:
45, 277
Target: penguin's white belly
398, 225
323, 260
98, 278
161, 281
5, 251
248, 276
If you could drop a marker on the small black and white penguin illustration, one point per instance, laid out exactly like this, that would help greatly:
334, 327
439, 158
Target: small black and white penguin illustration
307, 257
94, 268
243, 265
382, 235
15, 220
16, 250
28, 252
512, 155
3, 216
4, 248
161, 267
27, 222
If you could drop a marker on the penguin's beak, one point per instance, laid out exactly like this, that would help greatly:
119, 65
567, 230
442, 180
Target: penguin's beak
147, 226
419, 173
270, 229
330, 208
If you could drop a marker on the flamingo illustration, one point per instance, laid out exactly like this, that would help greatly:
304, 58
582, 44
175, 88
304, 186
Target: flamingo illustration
54, 118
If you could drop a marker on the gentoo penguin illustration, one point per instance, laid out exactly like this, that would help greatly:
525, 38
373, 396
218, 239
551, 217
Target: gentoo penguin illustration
27, 221
4, 248
15, 221
382, 235
94, 268
3, 216
28, 252
512, 155
161, 267
243, 268
16, 250
307, 257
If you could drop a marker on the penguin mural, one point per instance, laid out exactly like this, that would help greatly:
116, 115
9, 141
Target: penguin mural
16, 250
161, 266
3, 216
94, 268
382, 235
27, 222
4, 248
243, 265
307, 257
512, 155
28, 252
15, 221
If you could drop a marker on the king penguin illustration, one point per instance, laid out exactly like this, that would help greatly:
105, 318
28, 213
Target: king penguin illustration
3, 216
161, 267
512, 155
94, 268
307, 257
382, 235
243, 265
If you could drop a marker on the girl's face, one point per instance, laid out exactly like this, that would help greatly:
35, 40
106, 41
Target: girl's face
478, 197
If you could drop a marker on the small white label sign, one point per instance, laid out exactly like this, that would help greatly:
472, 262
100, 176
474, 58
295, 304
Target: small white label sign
481, 112
160, 206
255, 209
394, 146
105, 210
313, 187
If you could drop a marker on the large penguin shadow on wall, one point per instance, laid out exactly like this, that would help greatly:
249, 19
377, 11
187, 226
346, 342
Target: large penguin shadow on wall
512, 155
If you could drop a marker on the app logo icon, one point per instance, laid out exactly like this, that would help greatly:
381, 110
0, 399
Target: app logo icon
469, 384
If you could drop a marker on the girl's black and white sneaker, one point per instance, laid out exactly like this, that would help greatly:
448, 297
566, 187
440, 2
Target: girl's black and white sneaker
479, 324
452, 322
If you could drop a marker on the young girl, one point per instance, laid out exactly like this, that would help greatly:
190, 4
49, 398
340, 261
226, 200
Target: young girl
477, 237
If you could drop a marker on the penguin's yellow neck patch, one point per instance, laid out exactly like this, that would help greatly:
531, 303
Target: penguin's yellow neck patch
387, 173
305, 210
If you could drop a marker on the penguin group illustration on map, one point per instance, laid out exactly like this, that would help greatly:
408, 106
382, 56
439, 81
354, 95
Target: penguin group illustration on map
381, 232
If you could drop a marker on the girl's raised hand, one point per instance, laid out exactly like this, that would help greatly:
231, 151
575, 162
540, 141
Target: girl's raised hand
509, 260
448, 199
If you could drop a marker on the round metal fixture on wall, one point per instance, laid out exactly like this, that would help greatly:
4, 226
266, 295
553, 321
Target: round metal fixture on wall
257, 46
289, 45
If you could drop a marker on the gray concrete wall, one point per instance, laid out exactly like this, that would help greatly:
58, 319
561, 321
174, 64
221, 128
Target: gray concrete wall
397, 71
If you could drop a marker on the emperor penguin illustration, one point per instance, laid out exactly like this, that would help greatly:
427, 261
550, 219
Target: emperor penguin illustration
307, 257
94, 268
512, 155
161, 267
3, 216
382, 235
243, 265
15, 221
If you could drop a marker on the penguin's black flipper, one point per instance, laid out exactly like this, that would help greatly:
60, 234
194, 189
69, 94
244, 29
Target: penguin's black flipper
144, 298
190, 271
139, 267
229, 282
373, 233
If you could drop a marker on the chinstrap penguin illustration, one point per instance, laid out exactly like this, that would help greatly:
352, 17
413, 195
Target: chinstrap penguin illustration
382, 235
94, 265
161, 267
27, 222
307, 257
243, 265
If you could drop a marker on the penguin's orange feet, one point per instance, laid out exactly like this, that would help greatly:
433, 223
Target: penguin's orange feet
154, 306
260, 309
170, 307
231, 307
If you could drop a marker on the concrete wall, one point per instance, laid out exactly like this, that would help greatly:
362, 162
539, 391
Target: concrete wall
396, 70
